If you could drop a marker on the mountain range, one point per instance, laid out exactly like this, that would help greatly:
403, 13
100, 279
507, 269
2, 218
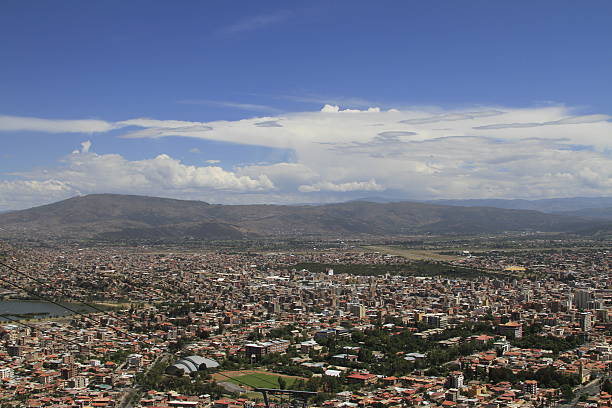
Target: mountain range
598, 207
127, 217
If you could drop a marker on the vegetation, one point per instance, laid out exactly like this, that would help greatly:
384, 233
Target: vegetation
414, 268
260, 380
547, 377
556, 344
200, 383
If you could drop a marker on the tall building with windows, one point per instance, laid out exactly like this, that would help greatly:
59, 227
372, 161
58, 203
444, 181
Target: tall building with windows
437, 320
585, 321
530, 387
513, 330
358, 310
582, 298
455, 380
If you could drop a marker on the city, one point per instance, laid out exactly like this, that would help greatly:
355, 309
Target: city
529, 328
305, 204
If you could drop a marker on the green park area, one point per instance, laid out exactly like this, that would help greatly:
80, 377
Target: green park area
261, 380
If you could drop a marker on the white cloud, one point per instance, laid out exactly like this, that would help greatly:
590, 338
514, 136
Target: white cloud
236, 105
255, 23
22, 123
418, 153
85, 172
332, 100
285, 176
336, 109
26, 193
161, 124
85, 146
342, 187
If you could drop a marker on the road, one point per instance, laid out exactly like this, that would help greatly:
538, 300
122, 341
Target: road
588, 389
231, 387
125, 401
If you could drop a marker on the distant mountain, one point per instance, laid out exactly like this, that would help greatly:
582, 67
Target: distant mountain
604, 213
382, 200
549, 205
127, 217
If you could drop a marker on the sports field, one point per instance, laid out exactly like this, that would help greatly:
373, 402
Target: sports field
255, 378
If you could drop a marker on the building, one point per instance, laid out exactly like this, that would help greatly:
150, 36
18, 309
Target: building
14, 350
501, 347
452, 395
437, 320
358, 311
78, 382
69, 372
190, 365
307, 346
582, 299
361, 378
513, 330
455, 380
602, 315
262, 348
6, 373
585, 321
584, 374
530, 387
134, 360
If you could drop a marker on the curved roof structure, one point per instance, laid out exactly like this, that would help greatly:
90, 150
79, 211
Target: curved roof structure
191, 364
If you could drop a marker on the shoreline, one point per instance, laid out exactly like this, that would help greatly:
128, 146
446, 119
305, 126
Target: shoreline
51, 315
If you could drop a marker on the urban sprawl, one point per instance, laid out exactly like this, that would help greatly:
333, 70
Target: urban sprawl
155, 327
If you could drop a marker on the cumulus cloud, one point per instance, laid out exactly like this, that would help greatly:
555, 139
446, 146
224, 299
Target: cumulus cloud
84, 172
26, 193
336, 109
419, 153
285, 176
85, 146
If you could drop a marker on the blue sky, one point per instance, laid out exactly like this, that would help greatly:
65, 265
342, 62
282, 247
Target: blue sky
223, 68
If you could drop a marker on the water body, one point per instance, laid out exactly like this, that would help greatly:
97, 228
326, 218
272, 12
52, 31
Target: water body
22, 309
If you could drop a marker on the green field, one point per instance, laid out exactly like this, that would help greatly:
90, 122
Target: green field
260, 380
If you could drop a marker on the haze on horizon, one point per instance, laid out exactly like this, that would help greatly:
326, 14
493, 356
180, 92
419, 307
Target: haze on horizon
267, 103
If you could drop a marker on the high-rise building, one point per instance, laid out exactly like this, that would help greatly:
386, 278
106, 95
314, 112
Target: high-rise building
511, 329
582, 299
530, 387
585, 321
437, 320
358, 310
455, 380
6, 373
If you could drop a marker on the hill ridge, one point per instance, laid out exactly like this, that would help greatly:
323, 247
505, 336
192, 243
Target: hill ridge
117, 216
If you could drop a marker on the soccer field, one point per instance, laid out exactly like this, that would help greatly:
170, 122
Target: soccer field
261, 380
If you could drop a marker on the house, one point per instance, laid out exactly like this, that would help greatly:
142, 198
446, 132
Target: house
362, 378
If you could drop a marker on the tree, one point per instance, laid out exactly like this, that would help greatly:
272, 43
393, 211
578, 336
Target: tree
282, 383
567, 392
607, 386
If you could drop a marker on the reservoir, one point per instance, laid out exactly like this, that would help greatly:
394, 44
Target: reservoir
24, 309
